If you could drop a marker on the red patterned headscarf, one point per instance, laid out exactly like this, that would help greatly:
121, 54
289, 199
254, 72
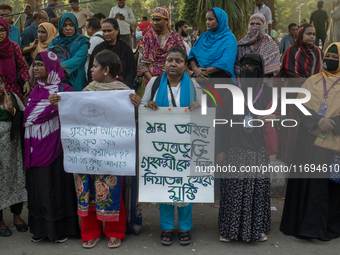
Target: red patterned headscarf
163, 13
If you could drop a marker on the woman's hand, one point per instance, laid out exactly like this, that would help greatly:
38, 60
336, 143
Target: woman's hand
267, 118
8, 104
27, 88
200, 72
54, 99
326, 125
34, 44
135, 99
193, 105
153, 105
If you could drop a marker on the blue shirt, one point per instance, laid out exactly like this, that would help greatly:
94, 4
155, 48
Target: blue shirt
29, 35
285, 43
14, 34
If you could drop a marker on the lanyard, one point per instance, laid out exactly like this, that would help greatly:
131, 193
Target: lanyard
325, 88
256, 98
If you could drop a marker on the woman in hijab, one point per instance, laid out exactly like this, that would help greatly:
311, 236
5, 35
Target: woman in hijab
52, 201
312, 201
12, 62
46, 33
257, 41
156, 43
77, 45
244, 211
214, 53
113, 43
12, 173
300, 61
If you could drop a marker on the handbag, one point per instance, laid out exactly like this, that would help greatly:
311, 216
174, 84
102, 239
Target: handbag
334, 174
272, 136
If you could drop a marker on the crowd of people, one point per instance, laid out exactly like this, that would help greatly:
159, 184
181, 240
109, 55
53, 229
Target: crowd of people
55, 55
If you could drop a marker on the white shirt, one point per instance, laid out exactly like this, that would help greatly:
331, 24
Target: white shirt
266, 12
147, 94
94, 41
124, 25
187, 47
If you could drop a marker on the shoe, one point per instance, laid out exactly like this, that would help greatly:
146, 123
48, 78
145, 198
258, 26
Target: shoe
115, 243
225, 239
62, 239
37, 240
5, 232
166, 235
89, 246
21, 227
136, 230
263, 238
182, 235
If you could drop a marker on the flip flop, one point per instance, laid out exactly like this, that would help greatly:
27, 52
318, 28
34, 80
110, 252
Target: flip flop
89, 246
114, 244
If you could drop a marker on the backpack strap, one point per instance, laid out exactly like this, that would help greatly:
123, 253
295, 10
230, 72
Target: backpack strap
61, 87
99, 35
155, 86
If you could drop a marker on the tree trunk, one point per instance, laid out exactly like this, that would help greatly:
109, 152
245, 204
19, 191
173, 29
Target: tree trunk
35, 4
271, 5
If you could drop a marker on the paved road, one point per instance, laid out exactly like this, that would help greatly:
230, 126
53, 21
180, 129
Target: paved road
204, 239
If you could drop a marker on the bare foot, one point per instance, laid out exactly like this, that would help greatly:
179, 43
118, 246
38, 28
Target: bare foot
17, 220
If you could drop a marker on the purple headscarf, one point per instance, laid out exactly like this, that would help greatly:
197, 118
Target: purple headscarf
41, 119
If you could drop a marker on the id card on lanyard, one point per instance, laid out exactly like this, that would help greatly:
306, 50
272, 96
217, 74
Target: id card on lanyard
248, 117
324, 106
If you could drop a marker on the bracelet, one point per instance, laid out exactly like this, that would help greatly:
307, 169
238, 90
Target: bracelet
15, 111
320, 121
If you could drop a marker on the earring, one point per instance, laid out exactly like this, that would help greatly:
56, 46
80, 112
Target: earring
105, 74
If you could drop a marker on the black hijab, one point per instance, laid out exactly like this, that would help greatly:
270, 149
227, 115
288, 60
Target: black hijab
239, 136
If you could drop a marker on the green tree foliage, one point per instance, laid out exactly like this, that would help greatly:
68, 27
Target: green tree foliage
188, 10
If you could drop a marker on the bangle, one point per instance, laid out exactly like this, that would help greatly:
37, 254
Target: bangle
15, 111
320, 121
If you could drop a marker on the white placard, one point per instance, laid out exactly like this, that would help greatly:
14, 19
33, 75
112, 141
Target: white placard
98, 132
171, 144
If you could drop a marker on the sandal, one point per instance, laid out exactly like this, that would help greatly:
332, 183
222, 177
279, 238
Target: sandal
115, 243
182, 235
225, 239
88, 245
166, 235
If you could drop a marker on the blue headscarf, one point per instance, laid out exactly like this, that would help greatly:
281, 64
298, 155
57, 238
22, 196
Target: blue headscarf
187, 92
72, 43
216, 48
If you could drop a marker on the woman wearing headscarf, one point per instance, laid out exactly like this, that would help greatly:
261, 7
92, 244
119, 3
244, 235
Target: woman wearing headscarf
52, 201
100, 197
183, 95
77, 45
257, 41
214, 53
156, 43
244, 211
300, 61
46, 33
12, 62
12, 173
312, 201
113, 43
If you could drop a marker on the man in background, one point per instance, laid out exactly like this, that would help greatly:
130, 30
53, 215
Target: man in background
266, 12
14, 33
93, 29
100, 16
52, 13
29, 15
125, 18
319, 18
287, 40
182, 30
81, 14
